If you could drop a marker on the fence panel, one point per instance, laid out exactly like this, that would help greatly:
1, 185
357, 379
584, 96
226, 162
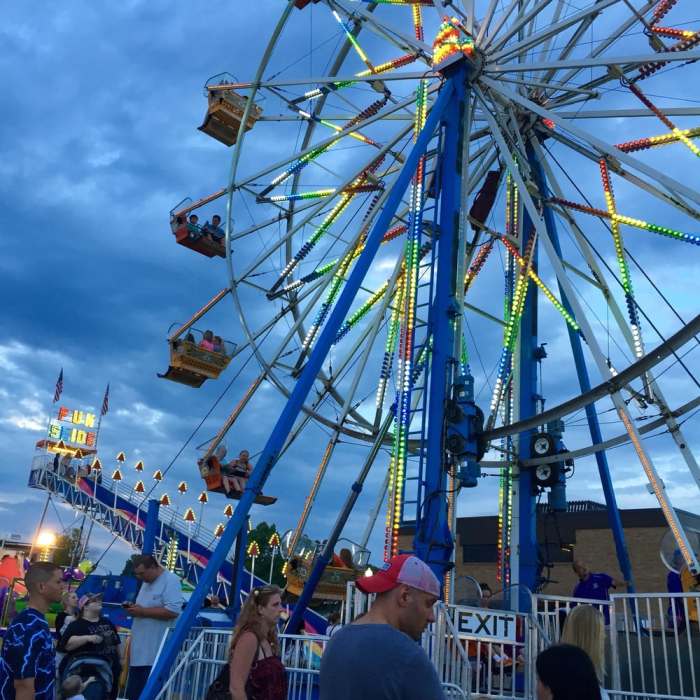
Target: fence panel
206, 651
656, 645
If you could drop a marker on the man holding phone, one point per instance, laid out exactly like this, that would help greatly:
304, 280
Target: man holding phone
157, 605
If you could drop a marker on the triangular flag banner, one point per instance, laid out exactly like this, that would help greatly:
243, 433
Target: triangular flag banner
158, 476
219, 530
79, 454
228, 511
182, 487
121, 457
117, 475
139, 466
189, 516
139, 488
253, 549
60, 445
274, 540
165, 500
96, 464
203, 498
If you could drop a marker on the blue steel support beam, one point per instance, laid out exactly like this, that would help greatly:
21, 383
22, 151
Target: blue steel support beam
151, 531
433, 542
238, 570
296, 399
601, 457
527, 404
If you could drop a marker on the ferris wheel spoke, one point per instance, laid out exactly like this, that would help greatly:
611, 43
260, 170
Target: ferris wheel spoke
497, 49
595, 62
310, 150
600, 47
629, 113
673, 199
317, 210
500, 23
403, 41
584, 18
604, 148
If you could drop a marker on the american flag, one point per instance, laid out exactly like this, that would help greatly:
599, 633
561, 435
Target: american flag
59, 387
105, 402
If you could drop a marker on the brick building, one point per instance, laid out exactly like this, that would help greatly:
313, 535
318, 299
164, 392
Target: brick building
582, 532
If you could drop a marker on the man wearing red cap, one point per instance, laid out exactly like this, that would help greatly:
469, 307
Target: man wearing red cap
377, 657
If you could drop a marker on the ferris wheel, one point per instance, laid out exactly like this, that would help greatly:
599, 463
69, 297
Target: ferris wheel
421, 195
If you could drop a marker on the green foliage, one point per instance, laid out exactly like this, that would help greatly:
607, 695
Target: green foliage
261, 533
69, 548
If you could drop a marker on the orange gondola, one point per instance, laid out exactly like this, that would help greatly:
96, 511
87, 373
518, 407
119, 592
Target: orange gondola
197, 238
211, 473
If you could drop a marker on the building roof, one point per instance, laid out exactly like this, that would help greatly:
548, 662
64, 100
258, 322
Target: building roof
478, 535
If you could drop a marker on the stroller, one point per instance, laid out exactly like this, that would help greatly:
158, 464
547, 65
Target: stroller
91, 666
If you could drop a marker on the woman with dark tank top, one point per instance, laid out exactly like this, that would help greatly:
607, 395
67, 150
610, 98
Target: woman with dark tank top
256, 671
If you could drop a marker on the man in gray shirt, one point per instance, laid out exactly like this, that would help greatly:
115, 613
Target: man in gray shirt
158, 604
378, 657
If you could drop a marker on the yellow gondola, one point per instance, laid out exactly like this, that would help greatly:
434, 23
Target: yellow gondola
225, 113
334, 579
193, 365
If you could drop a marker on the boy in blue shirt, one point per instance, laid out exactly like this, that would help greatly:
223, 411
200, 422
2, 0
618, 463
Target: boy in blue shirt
28, 658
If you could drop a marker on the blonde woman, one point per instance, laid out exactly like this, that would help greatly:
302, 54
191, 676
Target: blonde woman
585, 628
255, 670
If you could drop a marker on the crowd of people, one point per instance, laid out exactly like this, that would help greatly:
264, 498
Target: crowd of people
84, 659
377, 656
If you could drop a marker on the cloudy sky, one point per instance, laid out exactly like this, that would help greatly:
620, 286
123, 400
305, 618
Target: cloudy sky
99, 142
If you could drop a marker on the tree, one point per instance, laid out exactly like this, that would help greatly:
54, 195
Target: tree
262, 533
69, 548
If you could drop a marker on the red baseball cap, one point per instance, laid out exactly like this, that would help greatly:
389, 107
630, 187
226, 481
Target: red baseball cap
403, 569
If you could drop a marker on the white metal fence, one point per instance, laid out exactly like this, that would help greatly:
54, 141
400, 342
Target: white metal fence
206, 650
652, 645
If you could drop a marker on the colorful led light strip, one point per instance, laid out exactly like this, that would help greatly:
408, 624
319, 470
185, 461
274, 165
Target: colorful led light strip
452, 38
360, 313
512, 328
477, 264
397, 62
391, 337
337, 210
651, 141
317, 194
661, 10
302, 162
684, 45
406, 337
664, 119
418, 22
570, 320
427, 3
373, 299
337, 128
629, 221
622, 261
673, 33
353, 40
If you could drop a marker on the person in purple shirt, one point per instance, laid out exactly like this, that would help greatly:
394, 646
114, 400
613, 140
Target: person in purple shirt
594, 586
